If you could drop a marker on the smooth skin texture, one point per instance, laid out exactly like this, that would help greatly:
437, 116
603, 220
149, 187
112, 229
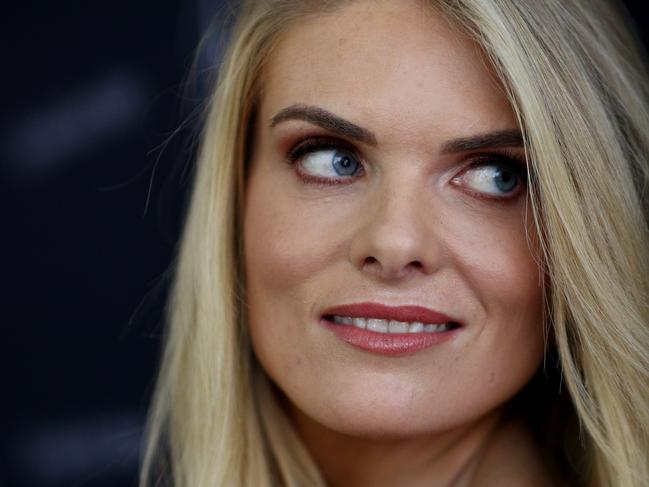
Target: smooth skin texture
410, 225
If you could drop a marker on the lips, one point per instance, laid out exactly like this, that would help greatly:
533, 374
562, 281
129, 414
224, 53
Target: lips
389, 343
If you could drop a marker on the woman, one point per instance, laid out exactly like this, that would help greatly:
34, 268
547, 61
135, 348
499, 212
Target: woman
417, 242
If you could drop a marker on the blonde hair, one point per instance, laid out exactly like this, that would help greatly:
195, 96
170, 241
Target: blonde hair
577, 83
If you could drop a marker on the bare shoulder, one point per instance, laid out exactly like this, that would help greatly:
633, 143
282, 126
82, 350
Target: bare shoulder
513, 459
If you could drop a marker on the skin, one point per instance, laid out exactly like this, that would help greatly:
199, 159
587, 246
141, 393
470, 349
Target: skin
405, 231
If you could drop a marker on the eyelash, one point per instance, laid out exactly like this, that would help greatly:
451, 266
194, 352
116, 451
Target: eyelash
506, 159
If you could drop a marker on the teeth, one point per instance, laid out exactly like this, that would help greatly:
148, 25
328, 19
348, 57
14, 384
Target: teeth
397, 327
359, 323
343, 320
390, 326
379, 326
416, 327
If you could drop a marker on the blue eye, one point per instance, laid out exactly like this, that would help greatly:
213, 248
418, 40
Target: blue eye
492, 178
325, 160
329, 163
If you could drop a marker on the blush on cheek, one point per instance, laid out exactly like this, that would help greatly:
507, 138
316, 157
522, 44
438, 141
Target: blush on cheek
269, 255
277, 261
286, 247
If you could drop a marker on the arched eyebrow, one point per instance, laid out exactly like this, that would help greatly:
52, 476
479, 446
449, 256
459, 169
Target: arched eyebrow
333, 123
489, 140
326, 120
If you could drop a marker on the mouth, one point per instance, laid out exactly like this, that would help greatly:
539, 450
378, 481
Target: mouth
387, 330
393, 327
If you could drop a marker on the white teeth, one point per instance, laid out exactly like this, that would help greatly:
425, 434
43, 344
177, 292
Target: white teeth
397, 327
359, 323
379, 326
416, 327
390, 326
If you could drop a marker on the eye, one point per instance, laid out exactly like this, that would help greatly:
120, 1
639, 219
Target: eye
325, 160
492, 177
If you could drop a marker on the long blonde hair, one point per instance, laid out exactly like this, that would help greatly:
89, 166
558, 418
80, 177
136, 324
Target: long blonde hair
577, 83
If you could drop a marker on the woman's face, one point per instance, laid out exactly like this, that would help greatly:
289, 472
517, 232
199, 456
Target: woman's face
388, 169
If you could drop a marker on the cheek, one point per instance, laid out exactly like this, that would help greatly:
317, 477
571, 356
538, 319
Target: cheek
284, 256
272, 270
290, 239
281, 252
498, 260
497, 257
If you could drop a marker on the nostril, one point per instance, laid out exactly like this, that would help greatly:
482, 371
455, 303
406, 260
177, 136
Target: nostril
373, 264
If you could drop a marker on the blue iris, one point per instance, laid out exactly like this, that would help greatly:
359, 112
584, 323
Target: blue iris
344, 164
505, 179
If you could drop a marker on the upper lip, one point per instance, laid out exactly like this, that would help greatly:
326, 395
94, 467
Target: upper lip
384, 312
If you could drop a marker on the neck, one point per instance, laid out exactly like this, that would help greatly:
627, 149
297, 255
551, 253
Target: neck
444, 459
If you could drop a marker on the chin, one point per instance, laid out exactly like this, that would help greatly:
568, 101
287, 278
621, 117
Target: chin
382, 417
385, 428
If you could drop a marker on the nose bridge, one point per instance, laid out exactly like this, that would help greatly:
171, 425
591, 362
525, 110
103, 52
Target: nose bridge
396, 207
397, 233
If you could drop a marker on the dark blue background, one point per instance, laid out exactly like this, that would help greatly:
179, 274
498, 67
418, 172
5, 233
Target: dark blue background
97, 134
92, 182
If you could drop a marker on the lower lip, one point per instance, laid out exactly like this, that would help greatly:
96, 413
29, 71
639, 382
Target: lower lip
388, 343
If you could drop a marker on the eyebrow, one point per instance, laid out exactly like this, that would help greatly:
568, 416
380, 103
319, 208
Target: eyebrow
333, 123
491, 140
326, 120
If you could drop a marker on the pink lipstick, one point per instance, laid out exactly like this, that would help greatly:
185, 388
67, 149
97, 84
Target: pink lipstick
389, 330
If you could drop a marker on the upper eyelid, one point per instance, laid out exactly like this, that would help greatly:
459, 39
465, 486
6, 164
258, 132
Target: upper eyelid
325, 142
319, 143
509, 154
516, 163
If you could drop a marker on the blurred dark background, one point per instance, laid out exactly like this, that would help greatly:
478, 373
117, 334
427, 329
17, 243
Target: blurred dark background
99, 115
97, 129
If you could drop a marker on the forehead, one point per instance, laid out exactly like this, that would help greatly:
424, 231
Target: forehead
386, 63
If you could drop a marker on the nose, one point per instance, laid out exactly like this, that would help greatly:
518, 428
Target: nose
399, 235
